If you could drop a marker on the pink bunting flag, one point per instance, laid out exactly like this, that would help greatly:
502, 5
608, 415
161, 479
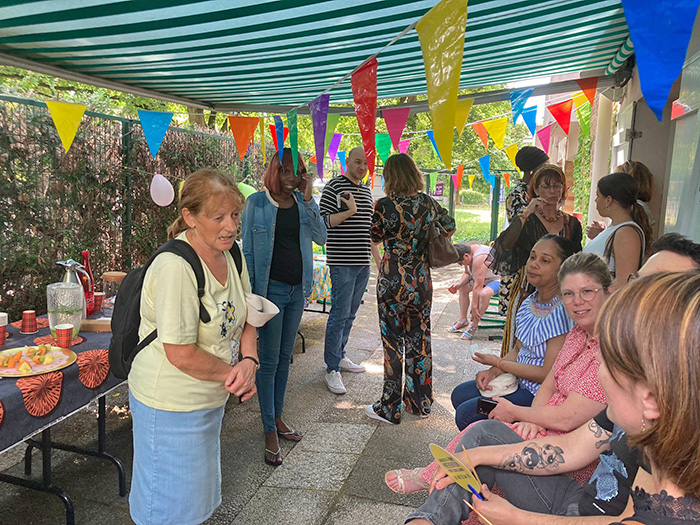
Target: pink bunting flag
403, 145
544, 134
395, 119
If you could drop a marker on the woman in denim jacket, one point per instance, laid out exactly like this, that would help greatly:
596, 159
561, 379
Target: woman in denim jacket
278, 226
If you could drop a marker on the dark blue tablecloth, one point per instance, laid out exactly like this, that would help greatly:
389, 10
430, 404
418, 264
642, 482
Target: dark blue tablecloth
17, 424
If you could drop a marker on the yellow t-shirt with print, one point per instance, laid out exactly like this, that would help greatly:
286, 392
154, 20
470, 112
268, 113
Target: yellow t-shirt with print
169, 303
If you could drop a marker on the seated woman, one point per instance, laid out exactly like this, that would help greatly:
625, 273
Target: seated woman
541, 327
571, 393
650, 379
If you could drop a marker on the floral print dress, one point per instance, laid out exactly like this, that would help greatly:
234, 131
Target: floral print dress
404, 298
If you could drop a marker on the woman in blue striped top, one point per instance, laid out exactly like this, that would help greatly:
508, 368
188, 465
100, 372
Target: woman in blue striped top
541, 328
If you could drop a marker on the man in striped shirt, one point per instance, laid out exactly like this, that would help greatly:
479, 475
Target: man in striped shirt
346, 207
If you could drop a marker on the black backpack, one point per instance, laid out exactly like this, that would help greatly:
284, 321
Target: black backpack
126, 317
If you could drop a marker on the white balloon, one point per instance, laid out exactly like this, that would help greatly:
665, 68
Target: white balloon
162, 191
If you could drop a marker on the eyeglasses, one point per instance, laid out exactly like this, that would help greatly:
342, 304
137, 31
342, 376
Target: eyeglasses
587, 295
555, 186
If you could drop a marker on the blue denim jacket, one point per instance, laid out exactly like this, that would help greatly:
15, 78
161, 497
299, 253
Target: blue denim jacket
258, 235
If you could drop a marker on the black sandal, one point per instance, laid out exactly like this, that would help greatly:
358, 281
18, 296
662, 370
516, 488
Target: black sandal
277, 461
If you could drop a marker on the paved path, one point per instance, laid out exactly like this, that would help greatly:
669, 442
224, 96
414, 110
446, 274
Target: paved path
334, 476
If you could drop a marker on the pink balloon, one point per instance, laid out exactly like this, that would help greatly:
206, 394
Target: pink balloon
162, 191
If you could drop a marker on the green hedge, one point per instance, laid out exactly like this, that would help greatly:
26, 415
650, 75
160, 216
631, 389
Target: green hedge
473, 197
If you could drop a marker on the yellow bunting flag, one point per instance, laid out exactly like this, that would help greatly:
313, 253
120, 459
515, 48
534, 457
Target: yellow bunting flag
441, 35
471, 180
261, 127
179, 189
464, 107
511, 151
579, 99
496, 128
66, 117
243, 129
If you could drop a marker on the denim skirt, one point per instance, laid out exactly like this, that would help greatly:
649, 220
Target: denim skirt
176, 475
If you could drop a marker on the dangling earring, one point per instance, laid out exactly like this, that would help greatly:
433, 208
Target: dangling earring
644, 426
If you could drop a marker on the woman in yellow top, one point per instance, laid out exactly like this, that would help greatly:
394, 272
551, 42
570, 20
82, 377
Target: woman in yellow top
179, 384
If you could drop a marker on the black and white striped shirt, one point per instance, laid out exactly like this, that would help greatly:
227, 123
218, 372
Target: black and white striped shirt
348, 243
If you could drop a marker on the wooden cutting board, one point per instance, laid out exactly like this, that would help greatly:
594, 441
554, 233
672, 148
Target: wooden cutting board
101, 324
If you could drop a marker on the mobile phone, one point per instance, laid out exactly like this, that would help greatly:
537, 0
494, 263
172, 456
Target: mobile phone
341, 205
484, 406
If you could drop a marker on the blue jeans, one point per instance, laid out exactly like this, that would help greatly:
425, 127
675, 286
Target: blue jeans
348, 284
276, 340
466, 395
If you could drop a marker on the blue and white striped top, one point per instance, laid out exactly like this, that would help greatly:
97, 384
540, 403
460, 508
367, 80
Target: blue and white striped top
535, 324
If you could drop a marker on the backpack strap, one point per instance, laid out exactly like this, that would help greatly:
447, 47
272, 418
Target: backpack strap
186, 251
235, 252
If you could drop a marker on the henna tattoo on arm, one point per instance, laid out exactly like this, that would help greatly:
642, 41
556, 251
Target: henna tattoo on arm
534, 457
602, 435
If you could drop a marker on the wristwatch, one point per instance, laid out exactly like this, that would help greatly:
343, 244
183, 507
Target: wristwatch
257, 363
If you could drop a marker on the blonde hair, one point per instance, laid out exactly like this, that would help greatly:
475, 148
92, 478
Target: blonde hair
643, 176
589, 264
199, 187
650, 334
402, 176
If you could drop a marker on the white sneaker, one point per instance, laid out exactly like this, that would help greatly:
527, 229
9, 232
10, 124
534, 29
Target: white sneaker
348, 366
370, 413
334, 382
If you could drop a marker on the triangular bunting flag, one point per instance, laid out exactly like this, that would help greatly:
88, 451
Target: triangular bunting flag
579, 99
395, 120
480, 130
464, 107
433, 181
312, 159
281, 136
562, 113
518, 98
660, 32
331, 123
334, 145
66, 117
583, 114
460, 173
589, 87
471, 180
506, 176
441, 35
511, 151
341, 159
293, 138
454, 181
261, 125
529, 116
273, 133
243, 129
485, 163
497, 130
154, 124
383, 144
543, 135
432, 141
319, 115
364, 94
403, 145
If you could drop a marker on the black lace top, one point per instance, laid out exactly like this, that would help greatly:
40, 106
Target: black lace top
662, 509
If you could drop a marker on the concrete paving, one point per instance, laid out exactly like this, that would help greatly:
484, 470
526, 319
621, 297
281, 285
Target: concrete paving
334, 476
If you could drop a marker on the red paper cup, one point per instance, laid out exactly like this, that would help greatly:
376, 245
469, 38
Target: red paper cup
29, 322
99, 296
3, 332
64, 335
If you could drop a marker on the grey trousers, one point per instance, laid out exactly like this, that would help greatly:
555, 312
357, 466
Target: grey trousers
558, 494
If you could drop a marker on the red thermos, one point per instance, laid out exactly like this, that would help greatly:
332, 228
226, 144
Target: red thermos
88, 283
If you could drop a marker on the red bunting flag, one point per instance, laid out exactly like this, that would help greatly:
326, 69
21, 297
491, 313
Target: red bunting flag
243, 129
480, 130
274, 134
364, 94
589, 87
312, 159
395, 119
507, 177
562, 113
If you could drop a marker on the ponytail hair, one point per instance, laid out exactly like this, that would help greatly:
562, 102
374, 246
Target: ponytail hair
639, 215
198, 188
623, 188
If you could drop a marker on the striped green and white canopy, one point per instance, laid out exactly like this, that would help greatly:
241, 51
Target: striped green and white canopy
238, 54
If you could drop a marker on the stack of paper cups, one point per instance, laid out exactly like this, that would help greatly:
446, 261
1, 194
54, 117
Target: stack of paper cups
3, 327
